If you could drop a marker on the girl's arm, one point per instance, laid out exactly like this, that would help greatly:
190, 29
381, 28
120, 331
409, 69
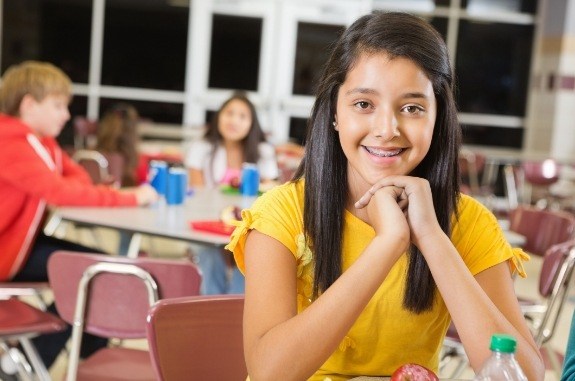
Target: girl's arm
283, 345
196, 178
479, 306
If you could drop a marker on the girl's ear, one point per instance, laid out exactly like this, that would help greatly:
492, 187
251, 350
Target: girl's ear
335, 126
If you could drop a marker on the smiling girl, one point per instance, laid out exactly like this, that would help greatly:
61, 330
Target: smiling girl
233, 137
360, 263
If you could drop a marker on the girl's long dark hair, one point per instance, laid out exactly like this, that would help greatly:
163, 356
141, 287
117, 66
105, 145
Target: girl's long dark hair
252, 140
118, 132
325, 165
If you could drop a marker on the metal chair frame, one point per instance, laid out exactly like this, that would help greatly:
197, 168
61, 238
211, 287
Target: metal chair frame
95, 156
83, 283
80, 311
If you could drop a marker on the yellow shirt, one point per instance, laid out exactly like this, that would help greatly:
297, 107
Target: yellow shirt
385, 336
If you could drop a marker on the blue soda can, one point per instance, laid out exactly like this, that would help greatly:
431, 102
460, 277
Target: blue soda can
250, 183
177, 186
158, 176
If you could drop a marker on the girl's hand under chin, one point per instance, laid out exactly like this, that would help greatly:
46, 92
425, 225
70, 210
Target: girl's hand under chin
385, 208
416, 201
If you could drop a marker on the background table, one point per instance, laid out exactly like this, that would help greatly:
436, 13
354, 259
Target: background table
169, 221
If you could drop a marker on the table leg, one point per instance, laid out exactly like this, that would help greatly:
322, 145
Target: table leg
135, 243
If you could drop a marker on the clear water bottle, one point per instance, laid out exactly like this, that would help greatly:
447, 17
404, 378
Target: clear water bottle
502, 365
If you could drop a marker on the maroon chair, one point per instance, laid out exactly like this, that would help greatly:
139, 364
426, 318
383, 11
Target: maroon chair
197, 338
110, 297
471, 164
35, 290
528, 182
541, 228
103, 168
19, 322
84, 132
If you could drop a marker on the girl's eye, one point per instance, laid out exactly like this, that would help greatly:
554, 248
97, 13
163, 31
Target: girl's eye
412, 109
362, 104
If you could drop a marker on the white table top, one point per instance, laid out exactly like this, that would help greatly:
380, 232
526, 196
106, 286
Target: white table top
514, 239
170, 221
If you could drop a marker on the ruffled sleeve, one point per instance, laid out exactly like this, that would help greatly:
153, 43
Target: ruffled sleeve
480, 240
277, 214
516, 262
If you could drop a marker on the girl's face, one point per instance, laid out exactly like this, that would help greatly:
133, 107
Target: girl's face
386, 112
235, 121
47, 117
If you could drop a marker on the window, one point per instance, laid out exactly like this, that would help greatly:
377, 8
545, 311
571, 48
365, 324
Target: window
492, 136
312, 52
145, 44
298, 130
492, 67
176, 60
41, 30
162, 112
525, 6
235, 52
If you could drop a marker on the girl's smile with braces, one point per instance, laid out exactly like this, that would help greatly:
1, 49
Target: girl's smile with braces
382, 152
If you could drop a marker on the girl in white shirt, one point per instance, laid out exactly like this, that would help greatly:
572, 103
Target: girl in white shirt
233, 137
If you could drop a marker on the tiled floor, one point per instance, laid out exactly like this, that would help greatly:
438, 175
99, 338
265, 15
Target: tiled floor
162, 247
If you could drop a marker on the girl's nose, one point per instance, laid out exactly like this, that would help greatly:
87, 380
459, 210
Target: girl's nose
386, 126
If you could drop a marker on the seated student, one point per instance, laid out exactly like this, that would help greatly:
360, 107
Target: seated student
36, 172
118, 133
568, 373
233, 137
360, 263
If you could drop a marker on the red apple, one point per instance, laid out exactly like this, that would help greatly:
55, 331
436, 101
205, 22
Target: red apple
413, 372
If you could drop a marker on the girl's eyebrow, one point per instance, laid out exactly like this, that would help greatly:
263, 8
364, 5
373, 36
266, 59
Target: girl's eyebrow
415, 95
366, 90
361, 90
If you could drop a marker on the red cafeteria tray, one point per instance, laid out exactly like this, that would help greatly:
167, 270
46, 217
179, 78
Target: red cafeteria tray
213, 226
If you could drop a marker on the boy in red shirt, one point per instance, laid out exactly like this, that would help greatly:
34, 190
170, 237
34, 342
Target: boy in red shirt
36, 172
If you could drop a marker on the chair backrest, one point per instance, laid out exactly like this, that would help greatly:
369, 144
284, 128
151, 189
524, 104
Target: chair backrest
84, 132
470, 165
94, 162
554, 283
117, 297
524, 181
198, 338
545, 172
103, 167
541, 228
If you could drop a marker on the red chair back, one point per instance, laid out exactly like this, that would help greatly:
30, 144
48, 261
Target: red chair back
541, 228
117, 304
84, 132
544, 172
18, 319
552, 262
197, 338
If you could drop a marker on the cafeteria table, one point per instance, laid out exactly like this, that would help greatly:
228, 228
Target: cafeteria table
160, 220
